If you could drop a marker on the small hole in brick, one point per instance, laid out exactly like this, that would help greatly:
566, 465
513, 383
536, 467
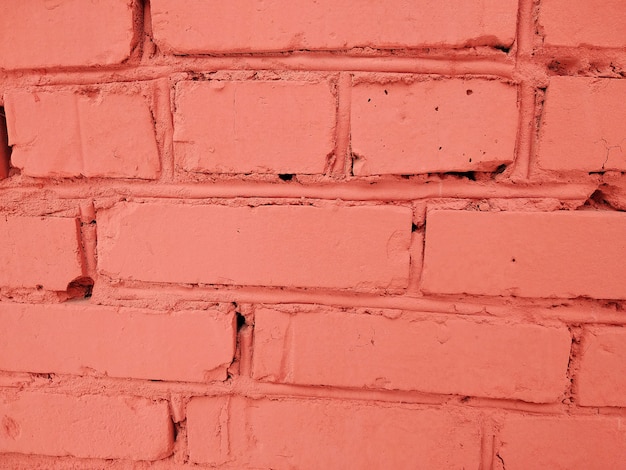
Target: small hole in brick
436, 108
38, 287
440, 148
80, 288
414, 227
470, 160
5, 150
241, 321
369, 99
42, 375
597, 201
286, 176
470, 175
500, 169
468, 92
512, 260
386, 93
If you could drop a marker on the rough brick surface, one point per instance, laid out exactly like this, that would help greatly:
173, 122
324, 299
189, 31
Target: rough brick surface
567, 23
526, 362
41, 251
300, 246
197, 27
533, 254
183, 346
581, 127
51, 33
87, 426
562, 443
272, 127
432, 126
601, 377
291, 433
89, 132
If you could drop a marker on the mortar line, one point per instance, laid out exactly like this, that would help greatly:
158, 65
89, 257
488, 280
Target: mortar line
417, 248
535, 128
525, 28
298, 62
498, 308
525, 132
75, 385
88, 237
486, 444
139, 18
342, 147
360, 190
496, 66
163, 98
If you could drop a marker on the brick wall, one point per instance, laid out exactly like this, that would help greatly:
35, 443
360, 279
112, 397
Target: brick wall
331, 234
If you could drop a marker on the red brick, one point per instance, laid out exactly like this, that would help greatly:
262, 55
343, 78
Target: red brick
431, 126
601, 378
562, 443
195, 27
77, 339
44, 33
581, 128
526, 362
81, 132
533, 254
581, 23
39, 251
121, 427
273, 127
301, 246
291, 433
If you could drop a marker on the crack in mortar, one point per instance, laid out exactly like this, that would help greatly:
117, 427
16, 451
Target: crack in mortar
501, 461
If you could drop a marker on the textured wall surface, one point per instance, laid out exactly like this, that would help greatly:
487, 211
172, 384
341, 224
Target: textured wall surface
345, 234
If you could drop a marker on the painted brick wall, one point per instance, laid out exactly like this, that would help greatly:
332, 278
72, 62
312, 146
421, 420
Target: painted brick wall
302, 235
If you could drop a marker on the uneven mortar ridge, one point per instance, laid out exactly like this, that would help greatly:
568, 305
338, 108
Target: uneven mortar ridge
271, 234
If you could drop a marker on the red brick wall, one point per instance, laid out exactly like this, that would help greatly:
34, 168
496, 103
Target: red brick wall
294, 234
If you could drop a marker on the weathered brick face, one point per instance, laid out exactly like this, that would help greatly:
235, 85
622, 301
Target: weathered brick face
329, 234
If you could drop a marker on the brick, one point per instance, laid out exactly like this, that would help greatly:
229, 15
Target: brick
273, 127
120, 427
291, 433
82, 132
41, 251
581, 127
567, 23
526, 362
601, 377
69, 33
301, 246
533, 254
195, 27
192, 346
433, 126
562, 443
